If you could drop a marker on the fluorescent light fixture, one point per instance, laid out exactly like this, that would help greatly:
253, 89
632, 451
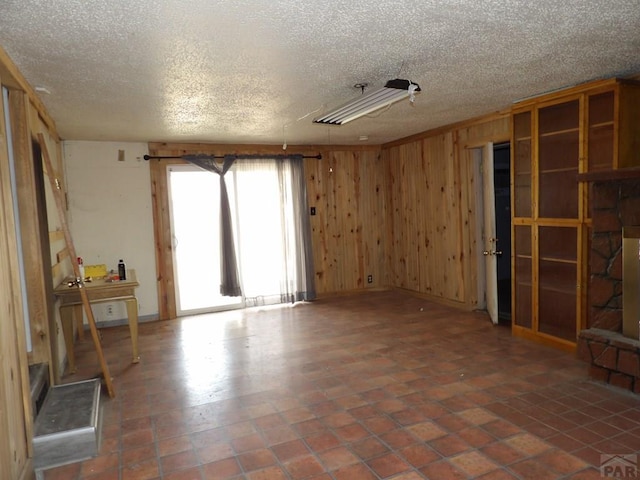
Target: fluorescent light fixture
393, 91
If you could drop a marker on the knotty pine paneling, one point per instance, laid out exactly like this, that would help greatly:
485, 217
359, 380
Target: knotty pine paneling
430, 201
347, 190
15, 405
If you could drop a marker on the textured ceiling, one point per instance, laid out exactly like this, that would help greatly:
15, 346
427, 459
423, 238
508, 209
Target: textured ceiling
258, 71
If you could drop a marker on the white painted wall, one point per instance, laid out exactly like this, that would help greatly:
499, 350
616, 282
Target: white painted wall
110, 215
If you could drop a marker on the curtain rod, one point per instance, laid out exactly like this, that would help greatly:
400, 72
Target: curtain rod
222, 157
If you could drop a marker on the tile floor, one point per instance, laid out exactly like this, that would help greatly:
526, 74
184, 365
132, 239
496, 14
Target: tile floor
373, 386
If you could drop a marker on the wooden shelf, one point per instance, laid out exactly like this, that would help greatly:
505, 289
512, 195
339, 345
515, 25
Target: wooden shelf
559, 170
559, 260
557, 289
609, 175
560, 132
602, 124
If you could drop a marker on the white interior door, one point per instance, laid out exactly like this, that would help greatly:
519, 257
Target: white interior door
489, 235
194, 199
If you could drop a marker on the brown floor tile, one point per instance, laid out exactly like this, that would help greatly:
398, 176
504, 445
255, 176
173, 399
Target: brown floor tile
359, 389
533, 470
289, 450
222, 469
337, 458
473, 463
256, 459
449, 445
145, 470
561, 462
320, 442
303, 467
351, 472
351, 433
419, 455
502, 453
368, 448
269, 473
388, 465
179, 461
528, 444
188, 474
442, 470
476, 437
100, 464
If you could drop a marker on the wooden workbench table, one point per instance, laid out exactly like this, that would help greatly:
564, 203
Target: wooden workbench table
98, 291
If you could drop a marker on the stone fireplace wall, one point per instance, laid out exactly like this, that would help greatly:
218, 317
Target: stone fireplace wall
612, 358
614, 204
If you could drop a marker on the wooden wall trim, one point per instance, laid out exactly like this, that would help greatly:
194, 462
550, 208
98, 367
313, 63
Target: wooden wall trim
256, 149
448, 128
30, 231
16, 416
12, 77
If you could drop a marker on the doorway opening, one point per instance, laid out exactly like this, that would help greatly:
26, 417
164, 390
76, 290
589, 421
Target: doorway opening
196, 266
491, 165
501, 182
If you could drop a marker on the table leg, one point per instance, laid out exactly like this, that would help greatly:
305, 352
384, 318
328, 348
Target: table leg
132, 313
66, 318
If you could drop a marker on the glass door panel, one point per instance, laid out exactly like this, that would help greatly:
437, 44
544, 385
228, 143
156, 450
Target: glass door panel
194, 198
558, 159
558, 279
522, 164
523, 287
601, 133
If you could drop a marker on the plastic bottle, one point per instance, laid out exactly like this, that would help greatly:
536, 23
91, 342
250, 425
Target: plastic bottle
122, 271
81, 268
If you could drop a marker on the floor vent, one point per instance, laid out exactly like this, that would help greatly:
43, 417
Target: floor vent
67, 429
39, 386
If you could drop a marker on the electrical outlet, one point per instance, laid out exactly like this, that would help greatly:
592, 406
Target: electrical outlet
369, 278
109, 310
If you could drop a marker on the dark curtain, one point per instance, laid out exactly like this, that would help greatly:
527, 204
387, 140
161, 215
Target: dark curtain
230, 282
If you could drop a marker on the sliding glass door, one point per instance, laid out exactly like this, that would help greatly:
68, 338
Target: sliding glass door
194, 199
267, 208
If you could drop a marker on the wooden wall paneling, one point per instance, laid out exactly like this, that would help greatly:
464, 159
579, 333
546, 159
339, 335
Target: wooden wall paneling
162, 235
337, 222
396, 216
495, 130
431, 244
469, 221
31, 241
316, 172
441, 215
414, 208
458, 258
371, 203
15, 402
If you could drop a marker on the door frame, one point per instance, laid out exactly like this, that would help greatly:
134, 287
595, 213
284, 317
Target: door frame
174, 245
484, 182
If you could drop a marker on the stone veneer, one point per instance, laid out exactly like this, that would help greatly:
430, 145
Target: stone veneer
613, 358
